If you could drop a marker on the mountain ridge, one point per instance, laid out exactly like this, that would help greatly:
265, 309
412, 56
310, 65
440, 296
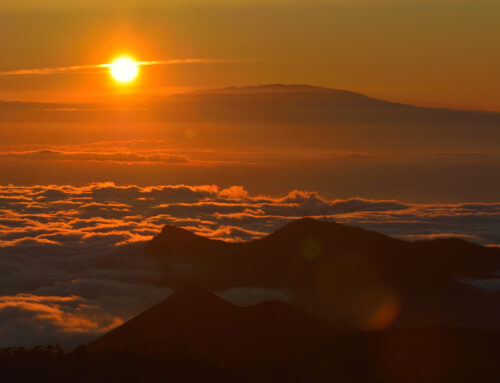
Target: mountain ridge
272, 88
174, 232
202, 324
328, 267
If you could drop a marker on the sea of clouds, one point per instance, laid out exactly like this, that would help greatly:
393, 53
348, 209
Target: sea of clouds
71, 265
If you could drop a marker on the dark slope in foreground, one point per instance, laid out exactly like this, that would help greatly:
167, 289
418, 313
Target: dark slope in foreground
193, 328
344, 273
194, 336
199, 323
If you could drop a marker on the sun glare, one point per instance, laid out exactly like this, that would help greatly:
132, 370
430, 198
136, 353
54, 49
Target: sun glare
124, 69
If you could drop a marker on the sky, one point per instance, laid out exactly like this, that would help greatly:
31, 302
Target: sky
95, 168
431, 53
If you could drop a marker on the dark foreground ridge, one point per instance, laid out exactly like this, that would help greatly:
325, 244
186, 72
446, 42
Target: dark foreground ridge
363, 307
195, 336
200, 323
342, 273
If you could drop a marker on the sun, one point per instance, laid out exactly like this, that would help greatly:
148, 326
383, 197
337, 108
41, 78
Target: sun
124, 69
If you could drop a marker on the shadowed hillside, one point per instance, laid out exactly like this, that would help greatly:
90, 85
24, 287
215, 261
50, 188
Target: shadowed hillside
195, 336
201, 324
351, 276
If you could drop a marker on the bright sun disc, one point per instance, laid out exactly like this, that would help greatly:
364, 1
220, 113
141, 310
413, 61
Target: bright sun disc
124, 69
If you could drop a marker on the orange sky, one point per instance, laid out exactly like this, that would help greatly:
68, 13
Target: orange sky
432, 53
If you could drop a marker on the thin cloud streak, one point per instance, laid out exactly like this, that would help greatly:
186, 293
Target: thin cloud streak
102, 67
47, 71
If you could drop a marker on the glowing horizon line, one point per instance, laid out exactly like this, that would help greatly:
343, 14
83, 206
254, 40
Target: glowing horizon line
83, 68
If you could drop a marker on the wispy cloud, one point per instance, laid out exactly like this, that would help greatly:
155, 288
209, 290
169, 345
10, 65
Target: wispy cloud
128, 152
103, 67
117, 157
46, 71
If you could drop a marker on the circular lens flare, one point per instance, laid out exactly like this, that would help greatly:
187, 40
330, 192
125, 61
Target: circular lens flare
124, 69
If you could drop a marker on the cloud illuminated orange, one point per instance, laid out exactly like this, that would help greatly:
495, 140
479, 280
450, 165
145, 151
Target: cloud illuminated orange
104, 67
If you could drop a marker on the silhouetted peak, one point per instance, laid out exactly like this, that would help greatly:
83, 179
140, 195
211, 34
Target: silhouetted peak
190, 302
323, 232
194, 295
175, 230
310, 225
176, 236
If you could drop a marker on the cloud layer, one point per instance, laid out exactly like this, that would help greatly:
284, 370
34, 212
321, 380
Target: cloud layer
70, 260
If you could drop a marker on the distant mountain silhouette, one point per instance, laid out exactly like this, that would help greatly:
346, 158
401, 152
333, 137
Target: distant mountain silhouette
196, 322
276, 114
343, 273
291, 93
305, 104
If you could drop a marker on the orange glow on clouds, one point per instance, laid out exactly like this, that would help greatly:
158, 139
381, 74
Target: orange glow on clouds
70, 313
